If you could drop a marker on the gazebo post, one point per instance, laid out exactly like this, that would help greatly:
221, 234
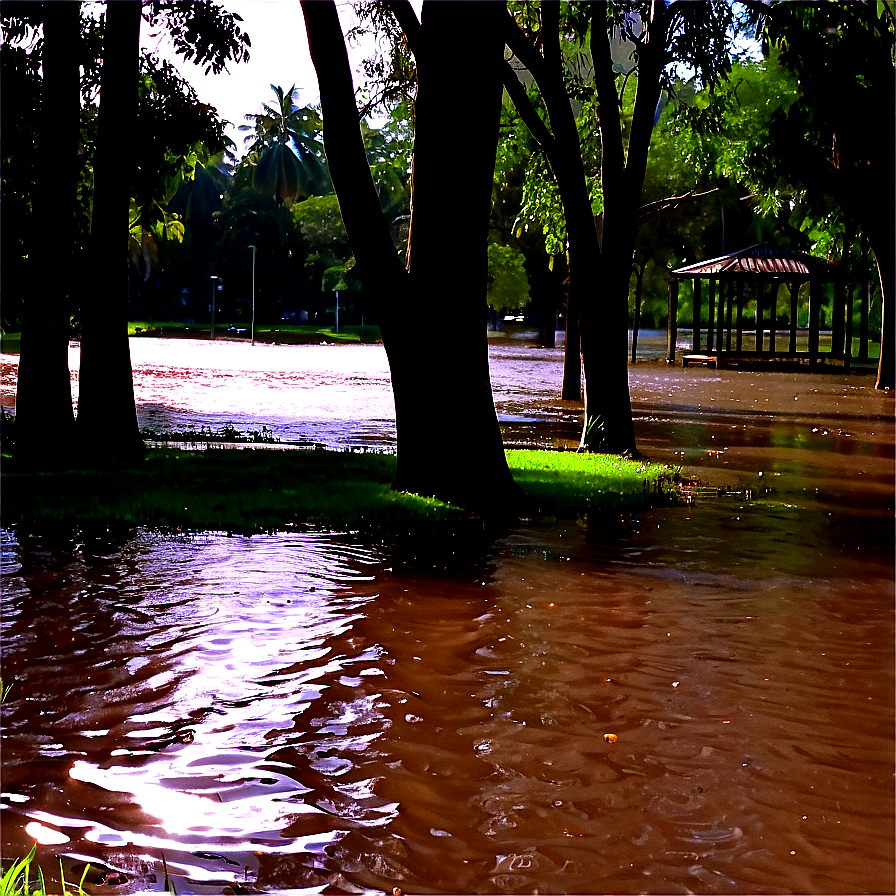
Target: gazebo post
728, 313
759, 319
814, 303
794, 309
695, 340
866, 299
711, 315
847, 354
740, 314
672, 329
720, 323
773, 317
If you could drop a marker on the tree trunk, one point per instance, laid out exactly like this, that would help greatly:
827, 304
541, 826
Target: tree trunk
571, 387
636, 322
107, 415
450, 407
449, 442
886, 367
44, 416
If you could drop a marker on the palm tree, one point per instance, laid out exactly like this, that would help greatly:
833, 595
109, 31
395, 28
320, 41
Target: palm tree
283, 146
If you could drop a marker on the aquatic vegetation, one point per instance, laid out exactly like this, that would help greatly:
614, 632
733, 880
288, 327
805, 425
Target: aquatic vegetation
24, 878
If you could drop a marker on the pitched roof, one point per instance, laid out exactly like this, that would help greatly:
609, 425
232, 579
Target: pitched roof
763, 261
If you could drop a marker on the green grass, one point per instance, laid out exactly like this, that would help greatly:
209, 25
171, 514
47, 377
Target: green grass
251, 490
10, 343
25, 878
569, 484
291, 333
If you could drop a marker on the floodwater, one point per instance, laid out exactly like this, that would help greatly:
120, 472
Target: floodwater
299, 713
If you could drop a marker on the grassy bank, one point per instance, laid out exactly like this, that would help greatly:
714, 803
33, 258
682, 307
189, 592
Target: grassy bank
251, 490
285, 334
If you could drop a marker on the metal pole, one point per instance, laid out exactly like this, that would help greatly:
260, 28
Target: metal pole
213, 278
337, 310
253, 248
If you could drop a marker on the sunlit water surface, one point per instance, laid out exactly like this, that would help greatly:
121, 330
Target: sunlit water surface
299, 713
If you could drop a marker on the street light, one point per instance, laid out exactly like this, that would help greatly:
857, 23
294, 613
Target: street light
253, 248
213, 278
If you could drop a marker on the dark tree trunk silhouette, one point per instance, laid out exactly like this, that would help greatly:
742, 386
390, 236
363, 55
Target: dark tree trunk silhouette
107, 416
431, 314
44, 416
602, 325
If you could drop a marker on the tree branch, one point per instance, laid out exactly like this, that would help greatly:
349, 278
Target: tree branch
408, 22
653, 210
360, 204
519, 45
612, 159
517, 92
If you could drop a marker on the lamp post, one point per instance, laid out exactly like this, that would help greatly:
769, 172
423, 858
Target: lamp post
253, 248
213, 278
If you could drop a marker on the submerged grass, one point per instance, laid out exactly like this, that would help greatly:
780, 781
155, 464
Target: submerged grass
251, 490
571, 484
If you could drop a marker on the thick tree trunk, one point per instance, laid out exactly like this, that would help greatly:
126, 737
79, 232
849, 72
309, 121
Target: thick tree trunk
453, 443
607, 422
449, 442
608, 411
886, 367
608, 415
107, 416
571, 387
44, 416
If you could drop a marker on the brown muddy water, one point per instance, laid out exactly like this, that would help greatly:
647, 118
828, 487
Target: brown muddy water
300, 714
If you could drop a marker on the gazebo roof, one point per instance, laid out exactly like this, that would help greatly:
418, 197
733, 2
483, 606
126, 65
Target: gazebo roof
762, 261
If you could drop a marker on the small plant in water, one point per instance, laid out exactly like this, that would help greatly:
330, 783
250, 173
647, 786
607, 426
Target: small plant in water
24, 878
595, 434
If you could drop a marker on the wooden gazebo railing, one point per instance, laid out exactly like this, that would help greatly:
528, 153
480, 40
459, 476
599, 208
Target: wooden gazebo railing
760, 265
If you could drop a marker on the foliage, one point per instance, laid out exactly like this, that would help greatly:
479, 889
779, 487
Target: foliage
18, 881
508, 285
322, 231
389, 75
284, 148
174, 131
389, 151
835, 141
248, 218
202, 32
339, 278
20, 84
684, 158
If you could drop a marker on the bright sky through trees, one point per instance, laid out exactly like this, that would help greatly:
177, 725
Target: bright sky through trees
279, 55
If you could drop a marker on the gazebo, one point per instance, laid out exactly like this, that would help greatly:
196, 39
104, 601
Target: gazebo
761, 270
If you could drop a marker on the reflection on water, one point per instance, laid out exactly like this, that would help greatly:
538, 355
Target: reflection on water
299, 714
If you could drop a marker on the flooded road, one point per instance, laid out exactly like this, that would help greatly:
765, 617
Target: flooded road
693, 700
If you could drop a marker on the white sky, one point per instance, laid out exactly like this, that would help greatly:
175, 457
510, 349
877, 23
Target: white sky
278, 55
